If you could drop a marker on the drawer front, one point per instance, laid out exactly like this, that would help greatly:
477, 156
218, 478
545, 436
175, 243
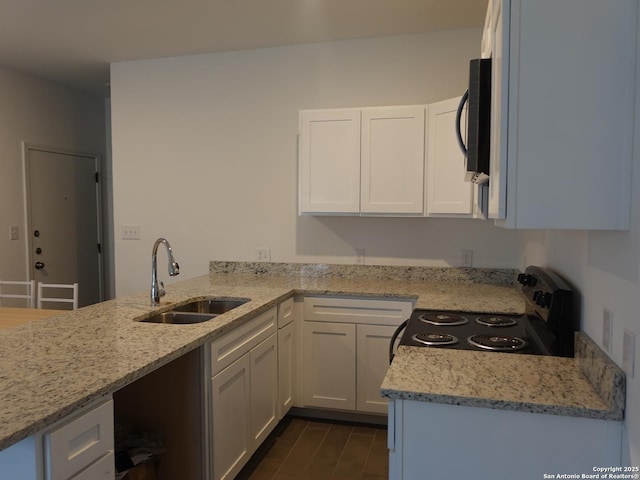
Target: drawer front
73, 446
357, 310
228, 348
285, 313
103, 469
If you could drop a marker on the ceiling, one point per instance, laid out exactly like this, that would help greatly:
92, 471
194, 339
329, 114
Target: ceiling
72, 42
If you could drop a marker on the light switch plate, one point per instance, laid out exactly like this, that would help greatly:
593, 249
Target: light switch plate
628, 353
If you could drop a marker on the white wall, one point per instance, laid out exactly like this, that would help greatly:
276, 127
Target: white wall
204, 153
36, 111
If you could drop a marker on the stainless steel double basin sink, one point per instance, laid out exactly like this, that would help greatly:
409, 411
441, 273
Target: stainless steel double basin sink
197, 311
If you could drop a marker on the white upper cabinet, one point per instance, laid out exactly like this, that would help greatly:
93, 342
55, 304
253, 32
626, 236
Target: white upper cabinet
563, 77
447, 192
329, 167
392, 180
373, 162
373, 168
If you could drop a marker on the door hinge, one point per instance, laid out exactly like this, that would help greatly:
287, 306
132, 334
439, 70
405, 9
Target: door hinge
97, 177
99, 248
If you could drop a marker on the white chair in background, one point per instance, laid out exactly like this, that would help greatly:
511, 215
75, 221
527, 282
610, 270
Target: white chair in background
28, 286
73, 299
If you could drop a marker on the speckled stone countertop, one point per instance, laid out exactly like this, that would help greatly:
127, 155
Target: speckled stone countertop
527, 383
49, 368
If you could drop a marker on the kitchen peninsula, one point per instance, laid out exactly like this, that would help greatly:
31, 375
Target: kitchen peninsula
53, 367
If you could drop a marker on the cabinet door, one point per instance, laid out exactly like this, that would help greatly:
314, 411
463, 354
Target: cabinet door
285, 369
231, 417
329, 161
264, 389
393, 160
372, 365
447, 192
329, 365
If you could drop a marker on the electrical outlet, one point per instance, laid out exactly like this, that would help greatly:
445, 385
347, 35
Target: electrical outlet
466, 258
14, 232
359, 256
131, 232
607, 327
263, 254
628, 353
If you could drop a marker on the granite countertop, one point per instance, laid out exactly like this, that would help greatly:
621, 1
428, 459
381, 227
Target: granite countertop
527, 383
52, 367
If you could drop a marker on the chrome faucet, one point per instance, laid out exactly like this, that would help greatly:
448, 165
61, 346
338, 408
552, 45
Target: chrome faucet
157, 290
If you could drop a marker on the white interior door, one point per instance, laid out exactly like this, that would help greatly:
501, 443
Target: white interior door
63, 220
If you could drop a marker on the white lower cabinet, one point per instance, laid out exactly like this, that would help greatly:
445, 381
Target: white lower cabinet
345, 351
245, 407
264, 389
329, 365
372, 362
231, 417
244, 392
81, 443
286, 360
78, 447
102, 469
426, 441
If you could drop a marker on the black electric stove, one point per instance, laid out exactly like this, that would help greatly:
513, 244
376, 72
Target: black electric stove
546, 328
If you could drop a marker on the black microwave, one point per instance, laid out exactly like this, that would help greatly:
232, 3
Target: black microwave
478, 97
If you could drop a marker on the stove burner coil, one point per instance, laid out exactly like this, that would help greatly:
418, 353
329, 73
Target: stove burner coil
496, 321
435, 339
497, 343
450, 319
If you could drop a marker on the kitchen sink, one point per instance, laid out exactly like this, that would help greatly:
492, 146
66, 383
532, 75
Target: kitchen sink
216, 306
197, 311
179, 317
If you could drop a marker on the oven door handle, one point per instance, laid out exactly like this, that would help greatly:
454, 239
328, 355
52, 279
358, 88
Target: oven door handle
394, 337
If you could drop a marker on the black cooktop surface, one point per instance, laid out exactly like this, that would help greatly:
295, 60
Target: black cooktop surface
469, 331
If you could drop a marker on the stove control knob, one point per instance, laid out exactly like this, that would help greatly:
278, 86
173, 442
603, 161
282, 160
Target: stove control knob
527, 280
542, 299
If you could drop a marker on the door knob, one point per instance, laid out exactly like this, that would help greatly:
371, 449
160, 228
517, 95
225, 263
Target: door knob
39, 265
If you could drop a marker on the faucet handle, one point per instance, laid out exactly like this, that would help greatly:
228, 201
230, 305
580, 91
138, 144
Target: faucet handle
161, 291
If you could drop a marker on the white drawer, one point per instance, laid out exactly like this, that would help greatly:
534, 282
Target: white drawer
103, 469
76, 444
228, 348
356, 310
285, 313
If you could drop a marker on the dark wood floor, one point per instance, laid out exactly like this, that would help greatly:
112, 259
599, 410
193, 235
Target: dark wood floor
320, 450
